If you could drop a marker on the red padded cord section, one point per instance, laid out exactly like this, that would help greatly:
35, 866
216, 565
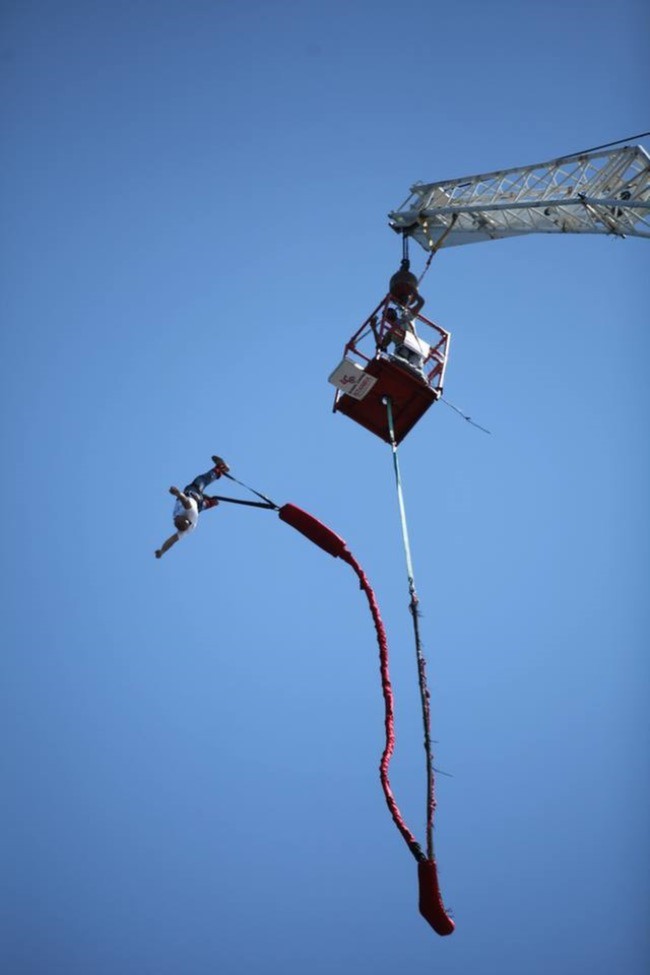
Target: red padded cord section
430, 901
314, 530
389, 713
328, 540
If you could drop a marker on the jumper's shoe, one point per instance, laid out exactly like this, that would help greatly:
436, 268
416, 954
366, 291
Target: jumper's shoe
220, 464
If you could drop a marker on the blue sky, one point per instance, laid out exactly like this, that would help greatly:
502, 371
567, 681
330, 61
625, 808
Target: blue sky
194, 204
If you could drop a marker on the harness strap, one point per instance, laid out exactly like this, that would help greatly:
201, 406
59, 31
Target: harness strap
259, 494
250, 504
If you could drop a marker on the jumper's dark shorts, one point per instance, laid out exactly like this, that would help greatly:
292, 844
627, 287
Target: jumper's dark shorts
197, 487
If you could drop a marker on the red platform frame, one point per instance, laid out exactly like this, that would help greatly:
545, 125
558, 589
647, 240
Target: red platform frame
411, 394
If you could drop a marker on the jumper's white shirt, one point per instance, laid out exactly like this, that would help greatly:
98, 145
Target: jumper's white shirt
192, 513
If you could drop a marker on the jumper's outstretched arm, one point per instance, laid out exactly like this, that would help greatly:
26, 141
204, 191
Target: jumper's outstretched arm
166, 545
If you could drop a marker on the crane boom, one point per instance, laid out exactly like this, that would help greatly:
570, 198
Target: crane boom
592, 193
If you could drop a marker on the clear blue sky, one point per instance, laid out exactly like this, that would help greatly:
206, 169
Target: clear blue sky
194, 210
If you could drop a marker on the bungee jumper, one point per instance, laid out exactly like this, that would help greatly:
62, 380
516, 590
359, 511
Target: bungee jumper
190, 502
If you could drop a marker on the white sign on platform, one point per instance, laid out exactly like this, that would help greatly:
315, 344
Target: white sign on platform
350, 378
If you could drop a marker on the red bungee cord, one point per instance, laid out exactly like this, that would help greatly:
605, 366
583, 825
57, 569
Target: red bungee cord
430, 899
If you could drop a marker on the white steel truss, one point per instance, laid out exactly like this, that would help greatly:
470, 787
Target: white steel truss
593, 193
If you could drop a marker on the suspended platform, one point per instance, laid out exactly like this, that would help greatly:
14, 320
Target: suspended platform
410, 397
411, 375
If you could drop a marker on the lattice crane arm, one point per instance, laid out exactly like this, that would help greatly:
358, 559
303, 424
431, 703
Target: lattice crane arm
591, 193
